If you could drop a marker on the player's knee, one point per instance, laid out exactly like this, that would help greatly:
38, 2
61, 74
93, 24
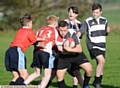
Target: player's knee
101, 62
24, 74
37, 74
15, 75
89, 70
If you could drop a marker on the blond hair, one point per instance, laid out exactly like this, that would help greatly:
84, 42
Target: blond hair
51, 19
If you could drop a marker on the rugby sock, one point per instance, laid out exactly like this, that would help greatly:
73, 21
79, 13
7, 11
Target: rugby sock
86, 80
79, 77
61, 84
12, 83
101, 76
97, 80
20, 81
74, 86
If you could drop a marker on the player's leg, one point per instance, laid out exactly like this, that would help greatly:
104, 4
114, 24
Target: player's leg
78, 78
54, 70
33, 76
23, 74
46, 78
60, 77
99, 71
15, 77
87, 67
53, 75
75, 82
36, 65
48, 63
11, 63
75, 73
62, 66
100, 60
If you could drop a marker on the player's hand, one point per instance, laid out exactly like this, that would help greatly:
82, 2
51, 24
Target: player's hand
66, 48
60, 48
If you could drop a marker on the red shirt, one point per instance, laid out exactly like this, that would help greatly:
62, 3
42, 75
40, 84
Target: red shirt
24, 38
47, 36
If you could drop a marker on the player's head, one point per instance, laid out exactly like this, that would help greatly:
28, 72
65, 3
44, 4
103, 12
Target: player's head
73, 12
26, 20
52, 20
63, 28
96, 10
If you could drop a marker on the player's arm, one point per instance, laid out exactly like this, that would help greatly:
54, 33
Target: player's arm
32, 37
107, 29
60, 48
76, 49
83, 28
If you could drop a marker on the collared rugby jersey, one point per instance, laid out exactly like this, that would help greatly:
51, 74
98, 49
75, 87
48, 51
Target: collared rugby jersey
73, 27
96, 30
47, 36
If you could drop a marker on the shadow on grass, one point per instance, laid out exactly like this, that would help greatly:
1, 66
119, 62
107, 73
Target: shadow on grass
110, 86
35, 82
53, 84
107, 86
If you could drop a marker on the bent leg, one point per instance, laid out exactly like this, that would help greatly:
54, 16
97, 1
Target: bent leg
33, 76
46, 77
60, 77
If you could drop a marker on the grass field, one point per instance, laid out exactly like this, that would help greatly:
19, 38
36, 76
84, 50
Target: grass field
112, 71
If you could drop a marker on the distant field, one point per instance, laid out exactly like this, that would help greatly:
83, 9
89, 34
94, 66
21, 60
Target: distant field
112, 71
112, 15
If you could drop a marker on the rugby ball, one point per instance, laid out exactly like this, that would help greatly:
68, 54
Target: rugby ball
69, 42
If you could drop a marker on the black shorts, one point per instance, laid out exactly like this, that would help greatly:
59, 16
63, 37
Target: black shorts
15, 59
44, 59
72, 68
66, 61
36, 61
95, 52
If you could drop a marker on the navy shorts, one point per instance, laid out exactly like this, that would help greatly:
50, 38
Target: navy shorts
66, 61
43, 59
36, 61
15, 59
95, 52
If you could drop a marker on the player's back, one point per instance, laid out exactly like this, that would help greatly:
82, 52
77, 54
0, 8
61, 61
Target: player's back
46, 35
24, 38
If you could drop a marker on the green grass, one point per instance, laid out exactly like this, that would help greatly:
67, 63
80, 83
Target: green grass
111, 74
113, 16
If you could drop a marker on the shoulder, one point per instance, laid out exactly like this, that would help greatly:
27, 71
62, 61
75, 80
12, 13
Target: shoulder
89, 18
31, 32
67, 20
103, 18
77, 21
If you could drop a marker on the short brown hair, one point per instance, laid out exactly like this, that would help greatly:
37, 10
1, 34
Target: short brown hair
62, 23
96, 6
74, 9
24, 19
